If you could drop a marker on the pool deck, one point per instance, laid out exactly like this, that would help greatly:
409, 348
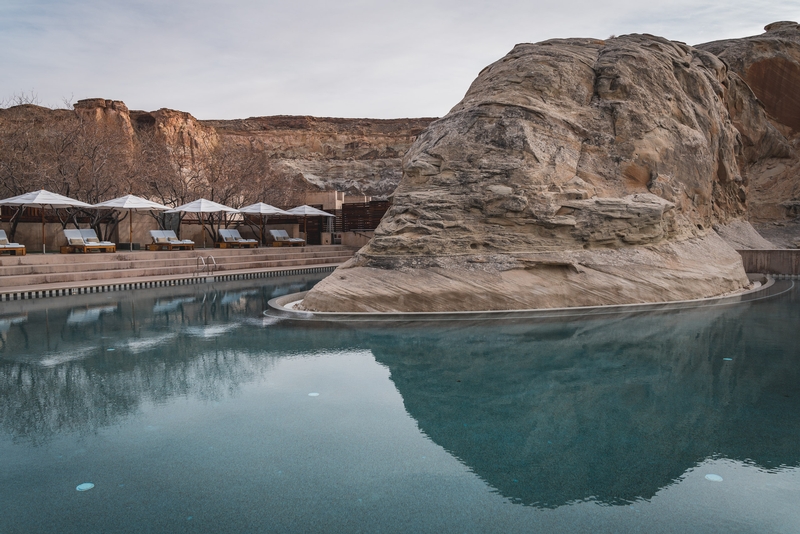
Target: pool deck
764, 287
52, 275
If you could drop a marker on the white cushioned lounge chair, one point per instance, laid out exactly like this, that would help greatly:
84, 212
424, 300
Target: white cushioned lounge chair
281, 238
86, 241
167, 240
15, 249
232, 238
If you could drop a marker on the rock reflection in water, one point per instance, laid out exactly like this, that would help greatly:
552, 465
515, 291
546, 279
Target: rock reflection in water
547, 413
605, 410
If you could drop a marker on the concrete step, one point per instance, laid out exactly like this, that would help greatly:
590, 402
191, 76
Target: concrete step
55, 258
83, 260
71, 270
145, 282
13, 281
105, 262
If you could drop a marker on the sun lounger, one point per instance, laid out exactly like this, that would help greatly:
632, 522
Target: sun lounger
15, 249
85, 241
167, 240
281, 238
233, 239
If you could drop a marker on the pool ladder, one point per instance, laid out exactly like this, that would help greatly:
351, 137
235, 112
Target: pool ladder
205, 265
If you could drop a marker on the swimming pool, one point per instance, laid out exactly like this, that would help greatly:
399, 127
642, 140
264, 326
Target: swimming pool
189, 410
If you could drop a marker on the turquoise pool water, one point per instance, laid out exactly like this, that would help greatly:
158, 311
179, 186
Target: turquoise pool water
189, 410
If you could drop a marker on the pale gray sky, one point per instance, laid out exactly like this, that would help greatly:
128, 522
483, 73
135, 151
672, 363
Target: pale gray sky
344, 58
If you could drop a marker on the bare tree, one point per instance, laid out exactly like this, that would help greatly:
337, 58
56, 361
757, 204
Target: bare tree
20, 99
74, 155
24, 160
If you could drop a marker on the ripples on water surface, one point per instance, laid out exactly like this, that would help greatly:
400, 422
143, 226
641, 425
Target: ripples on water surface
189, 410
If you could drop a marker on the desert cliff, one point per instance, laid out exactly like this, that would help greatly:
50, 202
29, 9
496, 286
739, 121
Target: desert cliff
358, 156
574, 172
578, 172
101, 149
769, 64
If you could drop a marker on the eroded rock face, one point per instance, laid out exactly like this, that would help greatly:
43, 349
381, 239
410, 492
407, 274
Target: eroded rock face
574, 172
357, 156
770, 65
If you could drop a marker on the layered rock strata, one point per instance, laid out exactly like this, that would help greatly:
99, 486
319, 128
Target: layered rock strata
769, 64
357, 156
574, 172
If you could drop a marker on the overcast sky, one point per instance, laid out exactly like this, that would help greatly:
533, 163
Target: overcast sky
335, 58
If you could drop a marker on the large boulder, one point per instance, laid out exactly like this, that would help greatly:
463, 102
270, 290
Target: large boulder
574, 172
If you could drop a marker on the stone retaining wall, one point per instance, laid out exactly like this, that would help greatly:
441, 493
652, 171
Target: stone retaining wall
778, 261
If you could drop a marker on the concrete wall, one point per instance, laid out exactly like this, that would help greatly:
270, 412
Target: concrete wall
356, 199
143, 222
330, 200
356, 239
333, 200
777, 261
30, 235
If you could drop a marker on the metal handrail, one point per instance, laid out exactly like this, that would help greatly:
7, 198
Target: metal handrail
208, 265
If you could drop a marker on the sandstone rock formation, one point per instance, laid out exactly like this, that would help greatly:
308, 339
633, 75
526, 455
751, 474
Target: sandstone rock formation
574, 172
741, 235
770, 66
357, 156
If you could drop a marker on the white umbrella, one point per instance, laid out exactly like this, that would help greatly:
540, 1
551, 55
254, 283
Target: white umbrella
131, 203
201, 206
42, 199
259, 208
308, 211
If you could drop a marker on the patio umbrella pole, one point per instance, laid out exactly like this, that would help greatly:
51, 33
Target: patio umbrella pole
44, 250
202, 229
130, 229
